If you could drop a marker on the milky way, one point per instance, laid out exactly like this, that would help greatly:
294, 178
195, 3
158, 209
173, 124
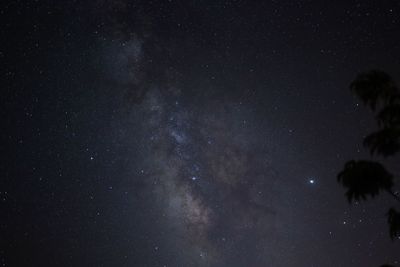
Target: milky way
201, 168
189, 133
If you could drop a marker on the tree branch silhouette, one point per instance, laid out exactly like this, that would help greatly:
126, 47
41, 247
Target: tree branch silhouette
395, 196
363, 178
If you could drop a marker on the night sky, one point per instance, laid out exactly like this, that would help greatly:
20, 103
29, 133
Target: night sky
189, 133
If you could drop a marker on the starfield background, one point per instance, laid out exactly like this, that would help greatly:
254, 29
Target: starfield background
189, 133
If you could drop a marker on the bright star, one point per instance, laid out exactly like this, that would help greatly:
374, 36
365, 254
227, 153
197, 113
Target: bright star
311, 181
